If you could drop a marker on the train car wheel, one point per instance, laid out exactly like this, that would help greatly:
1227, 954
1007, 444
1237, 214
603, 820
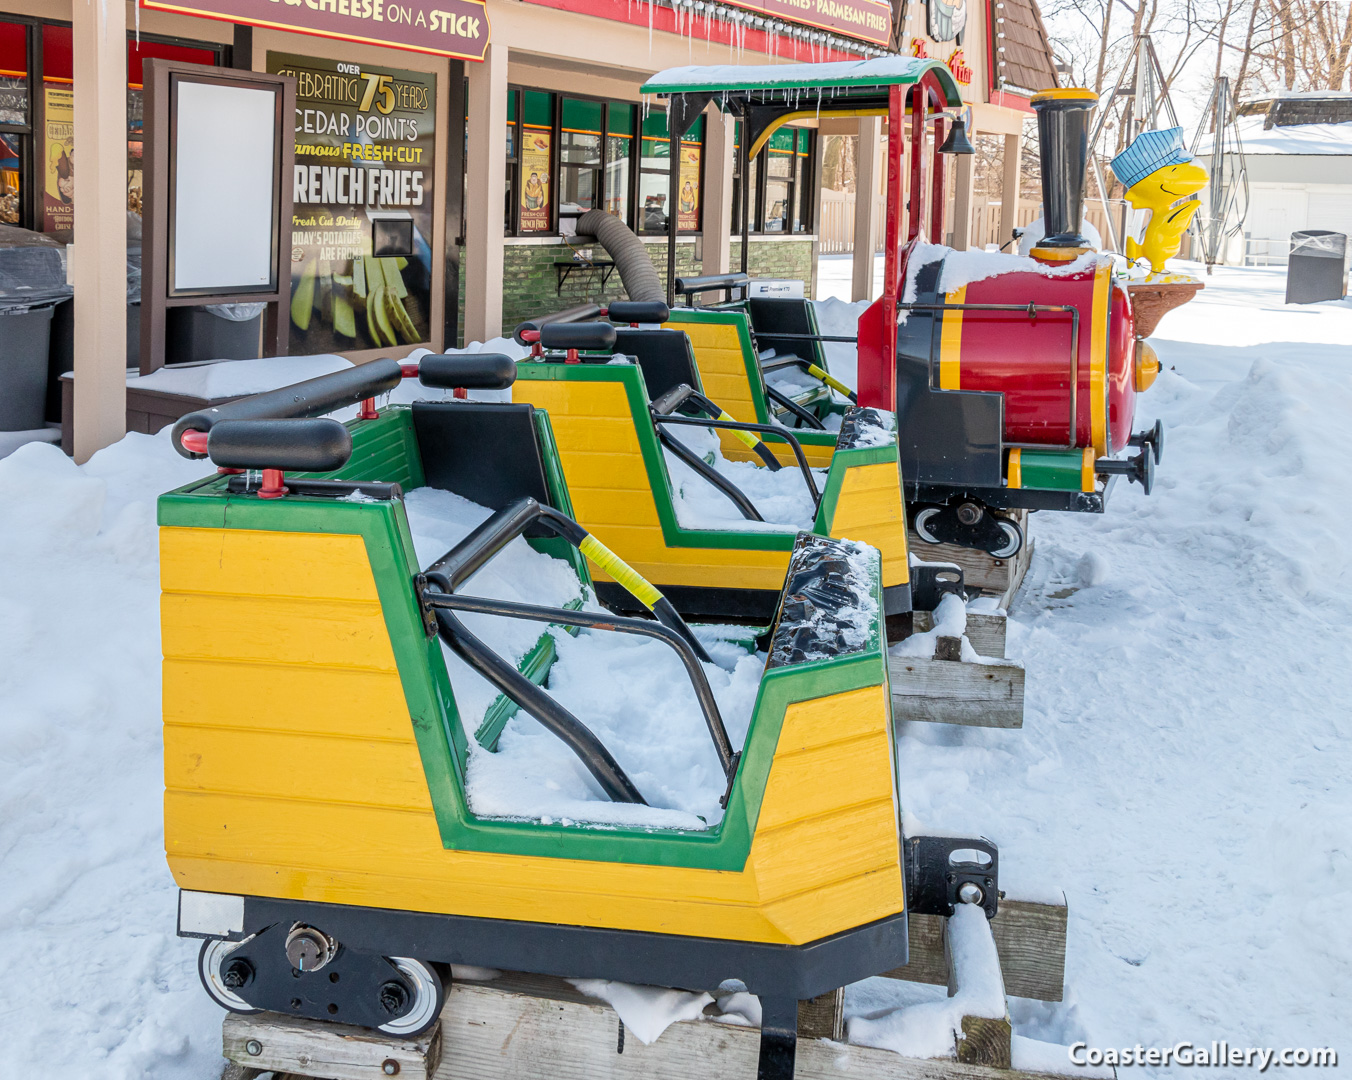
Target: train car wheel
923, 520
428, 992
221, 978
1013, 539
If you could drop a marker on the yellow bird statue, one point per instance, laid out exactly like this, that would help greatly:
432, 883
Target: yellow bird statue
1160, 177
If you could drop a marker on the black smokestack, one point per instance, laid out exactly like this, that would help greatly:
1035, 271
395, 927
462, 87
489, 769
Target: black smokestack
1063, 146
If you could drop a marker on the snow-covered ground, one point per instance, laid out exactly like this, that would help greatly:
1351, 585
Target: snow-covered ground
1181, 774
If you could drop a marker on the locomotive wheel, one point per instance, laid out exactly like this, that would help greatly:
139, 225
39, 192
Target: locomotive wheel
429, 994
213, 968
1013, 536
921, 524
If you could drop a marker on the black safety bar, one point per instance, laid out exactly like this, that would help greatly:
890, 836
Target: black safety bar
781, 398
703, 468
438, 594
314, 397
663, 413
567, 315
690, 287
308, 445
683, 395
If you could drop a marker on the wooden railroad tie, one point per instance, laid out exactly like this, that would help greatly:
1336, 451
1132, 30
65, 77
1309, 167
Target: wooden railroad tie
534, 1027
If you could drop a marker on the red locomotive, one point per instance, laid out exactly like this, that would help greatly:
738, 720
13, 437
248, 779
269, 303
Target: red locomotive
1014, 388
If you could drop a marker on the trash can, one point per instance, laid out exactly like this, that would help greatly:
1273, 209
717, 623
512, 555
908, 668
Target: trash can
32, 283
213, 332
1317, 269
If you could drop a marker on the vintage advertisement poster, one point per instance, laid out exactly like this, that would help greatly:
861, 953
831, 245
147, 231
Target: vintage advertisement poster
687, 218
536, 198
364, 155
58, 191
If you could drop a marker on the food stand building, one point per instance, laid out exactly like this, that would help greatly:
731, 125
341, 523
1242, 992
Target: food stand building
491, 124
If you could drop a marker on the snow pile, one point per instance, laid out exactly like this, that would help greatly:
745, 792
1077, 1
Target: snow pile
646, 1011
780, 497
927, 1029
236, 378
950, 620
632, 692
837, 318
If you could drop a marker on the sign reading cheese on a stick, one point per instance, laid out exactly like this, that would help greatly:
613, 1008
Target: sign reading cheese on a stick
456, 28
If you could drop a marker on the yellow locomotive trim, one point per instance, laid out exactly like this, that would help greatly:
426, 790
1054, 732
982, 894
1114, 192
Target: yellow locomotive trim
1087, 471
1014, 472
950, 342
292, 771
869, 510
1098, 359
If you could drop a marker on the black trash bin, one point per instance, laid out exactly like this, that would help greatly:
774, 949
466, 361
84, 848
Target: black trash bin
215, 332
32, 283
1317, 269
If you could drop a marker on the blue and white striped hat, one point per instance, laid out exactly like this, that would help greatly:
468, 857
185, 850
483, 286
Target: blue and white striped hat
1150, 150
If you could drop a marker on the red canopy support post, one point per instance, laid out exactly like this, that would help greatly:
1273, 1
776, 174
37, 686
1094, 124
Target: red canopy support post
917, 187
878, 368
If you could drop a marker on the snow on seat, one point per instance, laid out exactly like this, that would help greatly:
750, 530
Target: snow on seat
611, 682
781, 497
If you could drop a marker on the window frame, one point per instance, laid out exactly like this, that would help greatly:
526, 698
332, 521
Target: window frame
803, 181
633, 169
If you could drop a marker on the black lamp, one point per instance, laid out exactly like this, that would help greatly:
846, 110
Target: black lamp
957, 141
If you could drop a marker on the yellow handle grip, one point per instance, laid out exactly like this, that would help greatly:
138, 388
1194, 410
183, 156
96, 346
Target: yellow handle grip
620, 570
829, 379
747, 438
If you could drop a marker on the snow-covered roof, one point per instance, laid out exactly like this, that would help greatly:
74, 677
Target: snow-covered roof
879, 71
1315, 139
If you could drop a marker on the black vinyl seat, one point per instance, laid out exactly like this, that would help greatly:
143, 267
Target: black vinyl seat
487, 452
665, 357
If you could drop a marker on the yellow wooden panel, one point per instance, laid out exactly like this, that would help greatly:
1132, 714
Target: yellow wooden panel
870, 510
285, 697
855, 772
794, 916
372, 772
808, 854
249, 562
284, 630
823, 721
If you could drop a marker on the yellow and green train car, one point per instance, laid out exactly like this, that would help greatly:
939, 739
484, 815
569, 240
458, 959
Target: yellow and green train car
610, 438
316, 808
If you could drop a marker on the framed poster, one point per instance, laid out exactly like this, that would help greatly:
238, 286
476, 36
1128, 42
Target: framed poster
687, 203
223, 191
363, 179
536, 197
216, 196
58, 187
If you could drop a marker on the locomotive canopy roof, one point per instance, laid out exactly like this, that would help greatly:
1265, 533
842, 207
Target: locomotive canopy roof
770, 95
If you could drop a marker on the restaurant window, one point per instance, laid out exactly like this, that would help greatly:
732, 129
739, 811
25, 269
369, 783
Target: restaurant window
513, 155
37, 119
580, 161
619, 159
780, 187
16, 133
655, 175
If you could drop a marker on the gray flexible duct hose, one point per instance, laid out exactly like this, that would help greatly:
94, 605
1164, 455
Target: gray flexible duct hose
637, 271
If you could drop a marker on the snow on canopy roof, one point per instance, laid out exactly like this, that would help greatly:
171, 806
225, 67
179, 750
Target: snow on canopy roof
842, 74
1311, 139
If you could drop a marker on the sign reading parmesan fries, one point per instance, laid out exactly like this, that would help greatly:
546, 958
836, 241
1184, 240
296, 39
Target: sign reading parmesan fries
443, 27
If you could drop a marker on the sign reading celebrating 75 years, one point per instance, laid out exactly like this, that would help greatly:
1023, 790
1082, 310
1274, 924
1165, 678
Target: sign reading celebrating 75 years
442, 27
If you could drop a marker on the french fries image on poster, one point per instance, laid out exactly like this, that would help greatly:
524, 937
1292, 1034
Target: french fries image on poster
365, 147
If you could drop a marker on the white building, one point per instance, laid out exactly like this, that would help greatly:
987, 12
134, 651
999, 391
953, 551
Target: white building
1298, 152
